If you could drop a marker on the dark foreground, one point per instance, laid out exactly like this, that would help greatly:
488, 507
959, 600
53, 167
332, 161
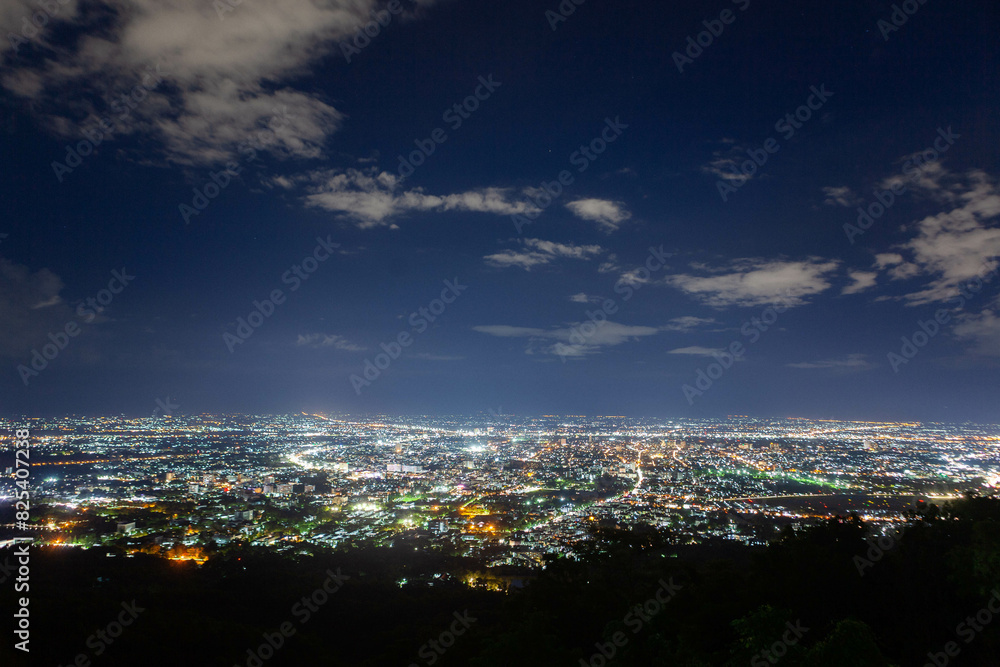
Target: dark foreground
822, 597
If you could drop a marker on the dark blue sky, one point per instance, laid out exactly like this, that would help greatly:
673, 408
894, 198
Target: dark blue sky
557, 310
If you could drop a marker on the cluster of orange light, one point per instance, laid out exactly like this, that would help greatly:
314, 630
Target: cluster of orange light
137, 458
187, 558
473, 510
472, 529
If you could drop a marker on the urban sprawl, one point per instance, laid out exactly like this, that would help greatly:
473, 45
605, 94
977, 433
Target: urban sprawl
508, 491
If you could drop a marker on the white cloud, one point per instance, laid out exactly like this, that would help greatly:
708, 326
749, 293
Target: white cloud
687, 323
317, 340
580, 298
897, 267
982, 331
852, 362
862, 281
506, 331
372, 198
563, 249
887, 259
725, 168
29, 290
30, 308
571, 341
725, 164
223, 78
610, 265
931, 180
538, 252
840, 196
16, 14
635, 277
956, 245
609, 215
756, 282
697, 351
525, 260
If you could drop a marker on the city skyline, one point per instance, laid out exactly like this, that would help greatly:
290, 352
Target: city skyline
274, 520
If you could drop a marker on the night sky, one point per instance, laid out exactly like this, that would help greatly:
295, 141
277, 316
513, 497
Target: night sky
514, 206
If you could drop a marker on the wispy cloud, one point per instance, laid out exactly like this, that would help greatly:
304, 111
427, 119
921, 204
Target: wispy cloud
687, 323
568, 341
427, 356
982, 331
756, 282
538, 252
30, 307
953, 246
896, 266
635, 277
852, 362
609, 215
841, 196
610, 265
373, 198
862, 280
697, 351
725, 164
507, 331
318, 340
